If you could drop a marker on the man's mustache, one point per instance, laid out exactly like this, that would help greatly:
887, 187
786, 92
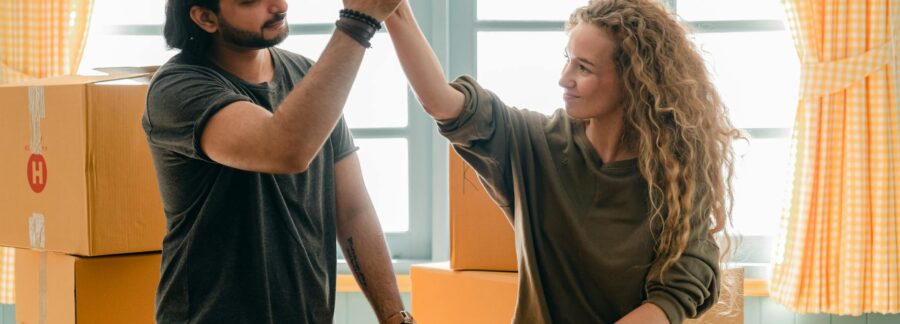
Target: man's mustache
275, 20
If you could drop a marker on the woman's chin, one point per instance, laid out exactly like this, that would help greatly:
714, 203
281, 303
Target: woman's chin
576, 113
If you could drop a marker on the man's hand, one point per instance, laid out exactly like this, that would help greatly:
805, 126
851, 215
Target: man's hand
378, 9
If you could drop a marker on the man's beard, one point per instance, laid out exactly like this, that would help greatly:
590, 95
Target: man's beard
249, 39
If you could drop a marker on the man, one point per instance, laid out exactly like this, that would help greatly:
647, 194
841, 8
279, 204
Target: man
258, 171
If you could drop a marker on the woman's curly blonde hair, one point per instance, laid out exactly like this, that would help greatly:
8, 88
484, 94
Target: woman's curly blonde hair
674, 119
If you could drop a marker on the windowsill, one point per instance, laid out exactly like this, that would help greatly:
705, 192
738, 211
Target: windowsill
346, 283
401, 266
753, 287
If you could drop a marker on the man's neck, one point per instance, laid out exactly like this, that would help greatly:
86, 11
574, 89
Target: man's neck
252, 65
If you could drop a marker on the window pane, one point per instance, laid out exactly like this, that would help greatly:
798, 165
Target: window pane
386, 172
313, 11
558, 10
757, 74
762, 180
523, 75
130, 12
379, 96
730, 9
123, 50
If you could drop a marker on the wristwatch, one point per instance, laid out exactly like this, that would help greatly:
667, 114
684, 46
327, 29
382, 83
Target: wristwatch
405, 318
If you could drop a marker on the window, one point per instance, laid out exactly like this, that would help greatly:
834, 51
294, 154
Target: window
757, 71
746, 45
117, 39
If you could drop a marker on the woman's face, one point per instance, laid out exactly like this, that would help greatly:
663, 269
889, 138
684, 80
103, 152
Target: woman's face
591, 86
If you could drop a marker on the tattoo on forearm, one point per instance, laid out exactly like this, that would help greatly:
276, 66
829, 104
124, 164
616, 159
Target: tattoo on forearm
354, 263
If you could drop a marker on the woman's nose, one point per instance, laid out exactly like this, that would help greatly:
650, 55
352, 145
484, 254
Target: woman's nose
565, 81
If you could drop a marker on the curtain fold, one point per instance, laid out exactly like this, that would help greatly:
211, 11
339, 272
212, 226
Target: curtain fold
838, 249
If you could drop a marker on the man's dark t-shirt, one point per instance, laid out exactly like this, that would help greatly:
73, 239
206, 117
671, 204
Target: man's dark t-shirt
241, 247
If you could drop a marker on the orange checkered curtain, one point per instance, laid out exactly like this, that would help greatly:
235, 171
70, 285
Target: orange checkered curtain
41, 38
7, 293
38, 38
839, 246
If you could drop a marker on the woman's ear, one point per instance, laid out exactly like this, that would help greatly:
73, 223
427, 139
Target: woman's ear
205, 19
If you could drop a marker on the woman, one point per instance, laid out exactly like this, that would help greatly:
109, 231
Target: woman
615, 199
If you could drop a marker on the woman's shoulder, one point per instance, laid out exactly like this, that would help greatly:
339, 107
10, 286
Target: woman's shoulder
555, 129
557, 122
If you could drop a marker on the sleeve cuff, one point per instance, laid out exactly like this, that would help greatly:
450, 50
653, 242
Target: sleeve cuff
342, 155
200, 125
467, 86
674, 312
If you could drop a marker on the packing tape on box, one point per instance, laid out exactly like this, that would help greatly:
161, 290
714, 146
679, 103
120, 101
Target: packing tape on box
42, 288
36, 231
37, 111
36, 239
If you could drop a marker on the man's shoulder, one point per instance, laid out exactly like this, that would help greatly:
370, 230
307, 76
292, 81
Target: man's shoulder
182, 62
183, 67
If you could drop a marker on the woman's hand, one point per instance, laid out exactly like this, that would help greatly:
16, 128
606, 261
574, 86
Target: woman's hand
422, 68
378, 9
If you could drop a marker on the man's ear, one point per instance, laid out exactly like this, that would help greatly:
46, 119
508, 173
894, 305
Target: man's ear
205, 19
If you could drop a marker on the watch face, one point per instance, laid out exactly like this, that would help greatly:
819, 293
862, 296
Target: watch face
407, 317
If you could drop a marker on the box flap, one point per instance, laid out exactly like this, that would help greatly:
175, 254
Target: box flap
74, 79
147, 72
112, 70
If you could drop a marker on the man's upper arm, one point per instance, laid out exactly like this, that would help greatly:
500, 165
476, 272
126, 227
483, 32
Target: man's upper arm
242, 135
180, 102
350, 189
192, 112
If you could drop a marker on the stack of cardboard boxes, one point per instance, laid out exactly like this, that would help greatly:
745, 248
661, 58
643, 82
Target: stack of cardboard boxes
480, 283
80, 201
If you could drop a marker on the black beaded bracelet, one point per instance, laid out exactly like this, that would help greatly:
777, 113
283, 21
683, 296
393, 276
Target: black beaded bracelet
356, 15
360, 31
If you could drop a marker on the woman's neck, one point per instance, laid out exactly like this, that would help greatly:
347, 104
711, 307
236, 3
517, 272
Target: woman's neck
605, 135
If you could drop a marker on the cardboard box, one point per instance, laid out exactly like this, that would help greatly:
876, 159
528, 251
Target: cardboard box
442, 295
63, 289
77, 173
481, 237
